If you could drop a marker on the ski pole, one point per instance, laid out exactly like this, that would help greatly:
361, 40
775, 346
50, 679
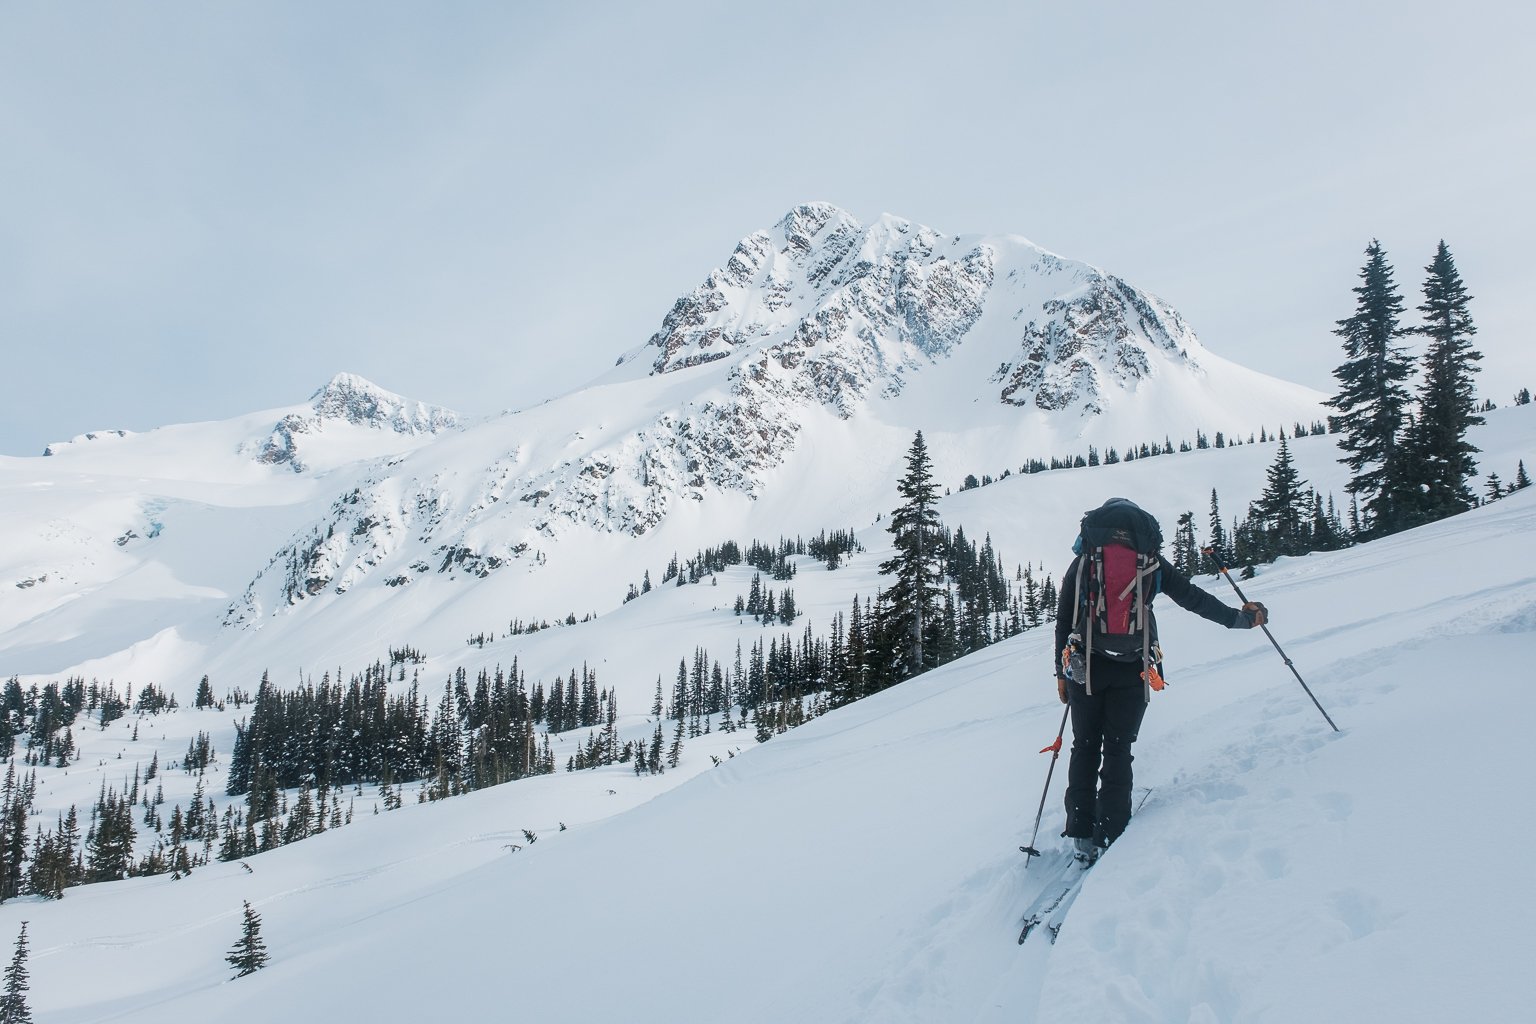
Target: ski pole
1055, 749
1222, 568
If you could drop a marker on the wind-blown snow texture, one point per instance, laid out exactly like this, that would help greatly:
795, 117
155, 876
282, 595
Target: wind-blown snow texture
862, 867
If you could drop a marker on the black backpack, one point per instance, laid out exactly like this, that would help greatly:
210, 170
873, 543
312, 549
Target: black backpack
1118, 574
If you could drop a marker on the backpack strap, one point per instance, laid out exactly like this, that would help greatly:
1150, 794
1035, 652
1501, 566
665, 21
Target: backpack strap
1078, 627
1146, 630
1148, 566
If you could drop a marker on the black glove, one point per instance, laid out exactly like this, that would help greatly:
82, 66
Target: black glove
1252, 614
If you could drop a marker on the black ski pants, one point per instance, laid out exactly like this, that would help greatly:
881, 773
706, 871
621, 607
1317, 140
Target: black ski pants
1104, 725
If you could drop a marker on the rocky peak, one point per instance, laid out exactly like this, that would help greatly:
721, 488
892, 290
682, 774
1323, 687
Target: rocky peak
348, 398
822, 292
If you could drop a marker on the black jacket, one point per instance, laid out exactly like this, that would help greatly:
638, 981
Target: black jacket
1174, 583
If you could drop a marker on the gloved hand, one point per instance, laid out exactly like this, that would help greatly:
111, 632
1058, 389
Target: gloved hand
1256, 614
1061, 688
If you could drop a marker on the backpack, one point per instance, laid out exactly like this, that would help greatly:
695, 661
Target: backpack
1118, 574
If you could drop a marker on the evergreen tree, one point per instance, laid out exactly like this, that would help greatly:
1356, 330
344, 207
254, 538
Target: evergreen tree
1325, 536
1283, 510
249, 954
1185, 551
14, 801
13, 1005
916, 568
1372, 397
1522, 480
1439, 460
1208, 563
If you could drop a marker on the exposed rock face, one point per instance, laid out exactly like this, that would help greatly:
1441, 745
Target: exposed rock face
96, 435
348, 398
820, 311
1085, 343
827, 298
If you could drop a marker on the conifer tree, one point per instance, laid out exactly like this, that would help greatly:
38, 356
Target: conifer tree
249, 954
858, 658
13, 1004
13, 836
1283, 510
1439, 460
1372, 397
1185, 552
916, 568
1325, 536
1522, 480
1218, 536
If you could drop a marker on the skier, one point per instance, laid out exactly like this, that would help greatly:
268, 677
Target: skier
1113, 671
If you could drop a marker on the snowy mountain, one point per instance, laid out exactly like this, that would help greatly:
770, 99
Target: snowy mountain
856, 335
120, 538
863, 867
776, 398
847, 310
352, 401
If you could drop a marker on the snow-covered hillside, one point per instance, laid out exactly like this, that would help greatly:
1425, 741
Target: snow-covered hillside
125, 543
863, 867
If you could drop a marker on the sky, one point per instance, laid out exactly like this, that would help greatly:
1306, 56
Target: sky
211, 209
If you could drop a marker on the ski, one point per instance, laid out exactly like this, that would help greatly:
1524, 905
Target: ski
1061, 881
1058, 916
1064, 878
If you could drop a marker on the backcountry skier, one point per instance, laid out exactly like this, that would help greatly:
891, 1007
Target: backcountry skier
1107, 658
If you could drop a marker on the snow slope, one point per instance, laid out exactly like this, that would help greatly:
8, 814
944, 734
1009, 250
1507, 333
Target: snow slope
129, 546
863, 867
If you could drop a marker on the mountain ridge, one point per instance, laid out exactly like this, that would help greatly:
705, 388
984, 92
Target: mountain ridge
777, 396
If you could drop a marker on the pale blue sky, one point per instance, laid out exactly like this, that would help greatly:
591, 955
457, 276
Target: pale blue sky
209, 209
